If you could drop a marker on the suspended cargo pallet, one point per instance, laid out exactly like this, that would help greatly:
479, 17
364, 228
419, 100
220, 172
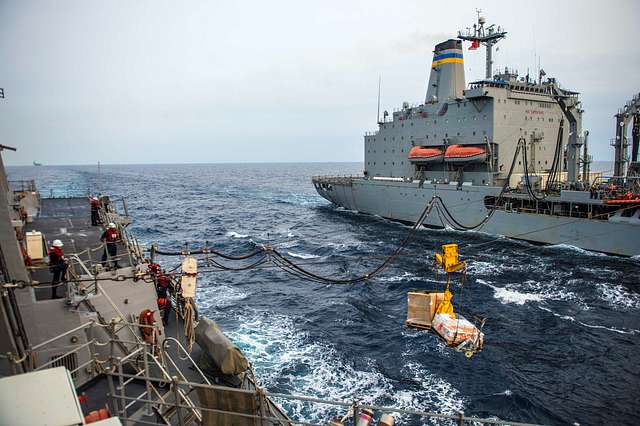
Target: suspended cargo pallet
433, 311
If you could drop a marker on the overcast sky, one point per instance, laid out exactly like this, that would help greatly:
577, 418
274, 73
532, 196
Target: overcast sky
207, 81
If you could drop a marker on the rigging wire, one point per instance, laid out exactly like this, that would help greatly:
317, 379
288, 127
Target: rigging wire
367, 276
207, 250
556, 158
461, 227
294, 268
286, 265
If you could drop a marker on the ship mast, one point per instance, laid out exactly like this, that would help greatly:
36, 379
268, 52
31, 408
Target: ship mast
487, 36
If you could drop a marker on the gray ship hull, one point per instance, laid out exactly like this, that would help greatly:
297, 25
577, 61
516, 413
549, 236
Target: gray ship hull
405, 201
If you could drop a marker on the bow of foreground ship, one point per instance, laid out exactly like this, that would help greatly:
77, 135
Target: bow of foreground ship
506, 155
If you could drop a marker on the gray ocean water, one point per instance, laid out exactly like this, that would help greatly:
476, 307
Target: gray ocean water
563, 325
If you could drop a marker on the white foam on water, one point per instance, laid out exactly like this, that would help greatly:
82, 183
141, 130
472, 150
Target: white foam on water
346, 246
435, 393
506, 295
601, 271
479, 267
303, 255
217, 297
406, 276
233, 234
618, 296
582, 251
601, 327
556, 289
284, 356
287, 244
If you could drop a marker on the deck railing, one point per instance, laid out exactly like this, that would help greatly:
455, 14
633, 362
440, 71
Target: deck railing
156, 366
22, 185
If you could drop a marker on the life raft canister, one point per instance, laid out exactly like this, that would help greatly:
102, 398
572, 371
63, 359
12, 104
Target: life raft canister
95, 416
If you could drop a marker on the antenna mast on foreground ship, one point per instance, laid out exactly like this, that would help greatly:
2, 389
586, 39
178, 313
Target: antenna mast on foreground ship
488, 37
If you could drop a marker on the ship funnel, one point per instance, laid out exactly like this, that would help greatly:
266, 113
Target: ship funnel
447, 72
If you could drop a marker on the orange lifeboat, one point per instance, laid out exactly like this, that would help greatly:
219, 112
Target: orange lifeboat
462, 153
424, 154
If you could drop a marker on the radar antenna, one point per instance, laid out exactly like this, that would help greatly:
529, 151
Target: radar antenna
488, 36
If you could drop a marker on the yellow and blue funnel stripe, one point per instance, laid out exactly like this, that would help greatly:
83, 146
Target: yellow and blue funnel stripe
449, 56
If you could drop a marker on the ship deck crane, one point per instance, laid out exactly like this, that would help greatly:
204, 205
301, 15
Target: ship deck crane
631, 111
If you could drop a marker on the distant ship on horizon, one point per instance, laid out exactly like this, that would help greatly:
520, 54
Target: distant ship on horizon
35, 163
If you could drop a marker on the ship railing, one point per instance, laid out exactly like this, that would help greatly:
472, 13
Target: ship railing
112, 206
335, 178
23, 185
214, 414
83, 353
89, 261
610, 187
156, 368
177, 403
153, 397
66, 193
110, 214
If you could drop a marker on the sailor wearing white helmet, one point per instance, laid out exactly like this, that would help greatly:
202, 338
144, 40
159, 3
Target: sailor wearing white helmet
58, 266
110, 237
95, 209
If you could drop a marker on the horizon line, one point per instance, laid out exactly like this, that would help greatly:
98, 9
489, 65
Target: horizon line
184, 163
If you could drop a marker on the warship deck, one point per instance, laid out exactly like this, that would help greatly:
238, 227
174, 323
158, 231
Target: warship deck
68, 220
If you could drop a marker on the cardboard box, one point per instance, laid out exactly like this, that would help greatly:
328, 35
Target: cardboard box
421, 307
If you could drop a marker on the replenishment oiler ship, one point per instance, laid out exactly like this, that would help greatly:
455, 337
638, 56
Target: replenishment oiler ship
505, 156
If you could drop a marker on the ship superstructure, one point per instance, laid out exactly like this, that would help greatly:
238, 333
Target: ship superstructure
505, 155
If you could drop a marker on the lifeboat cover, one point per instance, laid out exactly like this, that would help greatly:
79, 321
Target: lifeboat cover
462, 153
422, 153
